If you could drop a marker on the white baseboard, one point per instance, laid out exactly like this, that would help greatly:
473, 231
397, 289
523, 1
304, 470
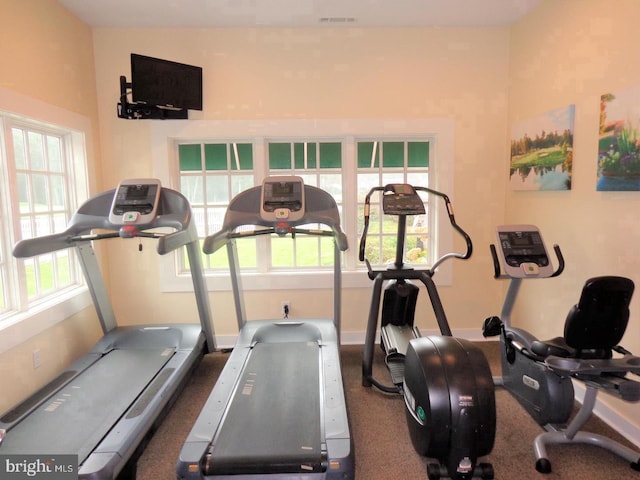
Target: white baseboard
357, 338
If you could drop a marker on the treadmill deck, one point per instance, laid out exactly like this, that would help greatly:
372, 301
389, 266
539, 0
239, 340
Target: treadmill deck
77, 417
278, 408
261, 429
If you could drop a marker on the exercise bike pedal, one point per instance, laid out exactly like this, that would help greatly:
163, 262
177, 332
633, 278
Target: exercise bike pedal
492, 327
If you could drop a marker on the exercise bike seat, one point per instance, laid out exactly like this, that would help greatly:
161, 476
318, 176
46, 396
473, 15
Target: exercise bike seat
596, 324
593, 329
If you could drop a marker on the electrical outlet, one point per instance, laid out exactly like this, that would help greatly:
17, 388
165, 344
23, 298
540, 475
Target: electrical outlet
36, 359
285, 308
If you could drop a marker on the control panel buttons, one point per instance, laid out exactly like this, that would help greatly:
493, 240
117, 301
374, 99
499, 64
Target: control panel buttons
282, 213
130, 217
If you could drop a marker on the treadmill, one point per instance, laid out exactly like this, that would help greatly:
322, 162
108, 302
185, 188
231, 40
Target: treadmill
105, 405
278, 408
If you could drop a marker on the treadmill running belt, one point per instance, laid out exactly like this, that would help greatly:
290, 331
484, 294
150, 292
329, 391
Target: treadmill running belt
76, 418
273, 423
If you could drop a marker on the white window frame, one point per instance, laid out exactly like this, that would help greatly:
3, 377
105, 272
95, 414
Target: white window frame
25, 321
438, 131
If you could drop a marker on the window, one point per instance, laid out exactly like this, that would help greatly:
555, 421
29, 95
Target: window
383, 162
4, 269
211, 174
42, 181
42, 202
345, 165
319, 163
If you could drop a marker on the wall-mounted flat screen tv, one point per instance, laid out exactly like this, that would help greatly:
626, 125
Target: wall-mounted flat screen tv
165, 83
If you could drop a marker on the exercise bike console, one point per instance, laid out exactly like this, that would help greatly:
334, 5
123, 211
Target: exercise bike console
522, 252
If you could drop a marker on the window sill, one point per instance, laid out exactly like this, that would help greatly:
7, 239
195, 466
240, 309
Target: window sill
20, 327
285, 280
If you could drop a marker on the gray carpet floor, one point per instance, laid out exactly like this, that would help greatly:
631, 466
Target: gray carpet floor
383, 447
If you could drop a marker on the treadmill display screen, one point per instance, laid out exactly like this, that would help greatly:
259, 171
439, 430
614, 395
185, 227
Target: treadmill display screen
282, 199
135, 202
282, 189
139, 198
282, 195
136, 192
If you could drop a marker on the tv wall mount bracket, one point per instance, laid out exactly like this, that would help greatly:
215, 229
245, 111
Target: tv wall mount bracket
141, 111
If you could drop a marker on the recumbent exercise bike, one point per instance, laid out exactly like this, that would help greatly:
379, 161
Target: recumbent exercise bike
539, 373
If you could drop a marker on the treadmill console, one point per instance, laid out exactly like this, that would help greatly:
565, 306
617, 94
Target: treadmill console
135, 202
522, 251
401, 199
282, 199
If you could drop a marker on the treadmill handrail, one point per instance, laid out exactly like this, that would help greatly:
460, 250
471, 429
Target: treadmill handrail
219, 239
244, 209
173, 212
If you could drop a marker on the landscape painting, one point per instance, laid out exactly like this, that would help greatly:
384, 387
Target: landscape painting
619, 141
542, 151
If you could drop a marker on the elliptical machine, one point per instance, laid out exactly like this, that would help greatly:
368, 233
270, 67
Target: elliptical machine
446, 382
539, 373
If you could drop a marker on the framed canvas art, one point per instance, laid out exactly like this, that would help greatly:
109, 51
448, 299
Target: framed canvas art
542, 151
619, 141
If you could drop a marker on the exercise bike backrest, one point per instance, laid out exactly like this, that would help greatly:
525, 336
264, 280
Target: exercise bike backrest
602, 298
596, 324
401, 199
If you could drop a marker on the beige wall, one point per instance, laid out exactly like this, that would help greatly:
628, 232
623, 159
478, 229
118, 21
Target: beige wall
47, 55
330, 74
571, 52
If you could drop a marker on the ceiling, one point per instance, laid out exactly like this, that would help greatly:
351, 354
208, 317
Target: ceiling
297, 13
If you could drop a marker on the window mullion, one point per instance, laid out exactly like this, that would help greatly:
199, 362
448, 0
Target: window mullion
350, 201
15, 275
261, 169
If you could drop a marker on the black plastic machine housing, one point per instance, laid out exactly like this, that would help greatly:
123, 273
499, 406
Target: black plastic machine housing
450, 402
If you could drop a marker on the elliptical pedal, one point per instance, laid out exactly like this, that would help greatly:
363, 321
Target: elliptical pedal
395, 364
394, 342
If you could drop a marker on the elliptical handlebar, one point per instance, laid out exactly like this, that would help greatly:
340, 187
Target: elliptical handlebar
452, 221
456, 227
363, 238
